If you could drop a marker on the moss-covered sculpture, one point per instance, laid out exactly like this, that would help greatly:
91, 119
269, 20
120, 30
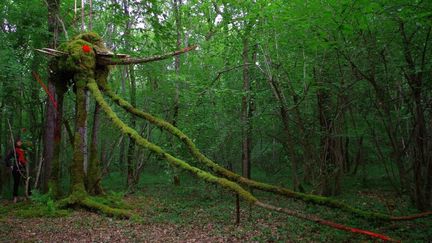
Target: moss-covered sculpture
83, 63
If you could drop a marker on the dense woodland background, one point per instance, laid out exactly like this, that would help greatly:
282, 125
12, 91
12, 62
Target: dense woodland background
326, 97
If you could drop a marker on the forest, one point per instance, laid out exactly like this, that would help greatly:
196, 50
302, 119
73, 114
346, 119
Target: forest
216, 121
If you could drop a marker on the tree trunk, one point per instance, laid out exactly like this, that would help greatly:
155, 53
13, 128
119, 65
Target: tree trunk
177, 5
131, 157
55, 173
94, 176
77, 168
331, 156
422, 163
122, 146
288, 141
3, 169
246, 113
50, 113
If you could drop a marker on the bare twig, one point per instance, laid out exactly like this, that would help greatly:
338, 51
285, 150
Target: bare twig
63, 26
38, 173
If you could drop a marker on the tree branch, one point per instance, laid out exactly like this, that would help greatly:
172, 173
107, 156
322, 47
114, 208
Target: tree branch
101, 60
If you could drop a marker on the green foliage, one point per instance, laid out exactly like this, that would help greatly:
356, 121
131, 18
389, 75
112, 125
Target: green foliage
113, 199
41, 206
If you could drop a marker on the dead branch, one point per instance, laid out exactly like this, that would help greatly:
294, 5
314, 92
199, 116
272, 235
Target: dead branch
411, 217
130, 60
51, 52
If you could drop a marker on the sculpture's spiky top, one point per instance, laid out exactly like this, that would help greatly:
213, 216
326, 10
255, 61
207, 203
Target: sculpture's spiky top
80, 58
82, 50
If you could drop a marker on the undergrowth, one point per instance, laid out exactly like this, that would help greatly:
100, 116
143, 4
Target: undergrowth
195, 205
39, 206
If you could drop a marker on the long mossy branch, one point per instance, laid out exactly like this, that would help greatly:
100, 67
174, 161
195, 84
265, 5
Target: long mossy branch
310, 198
93, 87
229, 174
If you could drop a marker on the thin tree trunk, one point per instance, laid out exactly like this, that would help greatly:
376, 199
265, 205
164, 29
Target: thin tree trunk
331, 160
131, 158
94, 171
385, 114
284, 115
246, 113
422, 157
177, 5
3, 169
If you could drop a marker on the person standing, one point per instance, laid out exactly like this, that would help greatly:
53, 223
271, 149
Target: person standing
18, 165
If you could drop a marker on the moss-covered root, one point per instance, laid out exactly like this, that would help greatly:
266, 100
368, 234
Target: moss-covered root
82, 199
102, 208
320, 200
92, 86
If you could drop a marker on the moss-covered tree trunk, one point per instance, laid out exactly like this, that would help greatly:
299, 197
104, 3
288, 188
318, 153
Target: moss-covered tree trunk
77, 169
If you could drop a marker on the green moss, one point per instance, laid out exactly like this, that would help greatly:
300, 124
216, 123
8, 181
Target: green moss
101, 75
78, 194
113, 199
41, 211
82, 199
91, 204
53, 188
91, 37
77, 59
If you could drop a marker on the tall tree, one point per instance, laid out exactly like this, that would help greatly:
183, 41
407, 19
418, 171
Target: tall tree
52, 135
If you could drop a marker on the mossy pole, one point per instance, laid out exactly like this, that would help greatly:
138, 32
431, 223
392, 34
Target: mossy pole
93, 179
77, 169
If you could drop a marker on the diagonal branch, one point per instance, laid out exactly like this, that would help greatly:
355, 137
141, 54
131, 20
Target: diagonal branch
101, 60
196, 153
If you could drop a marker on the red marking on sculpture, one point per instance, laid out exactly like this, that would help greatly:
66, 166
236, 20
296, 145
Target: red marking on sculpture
86, 48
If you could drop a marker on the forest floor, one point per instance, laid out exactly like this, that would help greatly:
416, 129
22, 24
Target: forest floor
197, 212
